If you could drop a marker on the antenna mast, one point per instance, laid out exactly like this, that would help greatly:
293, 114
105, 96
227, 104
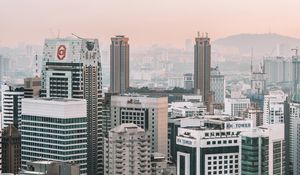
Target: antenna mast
251, 66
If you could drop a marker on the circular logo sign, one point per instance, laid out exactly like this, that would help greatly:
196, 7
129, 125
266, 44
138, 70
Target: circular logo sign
61, 52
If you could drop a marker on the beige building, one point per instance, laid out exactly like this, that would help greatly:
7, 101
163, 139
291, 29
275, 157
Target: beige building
127, 151
149, 113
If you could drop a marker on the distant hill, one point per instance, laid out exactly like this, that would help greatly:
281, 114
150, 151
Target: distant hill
262, 44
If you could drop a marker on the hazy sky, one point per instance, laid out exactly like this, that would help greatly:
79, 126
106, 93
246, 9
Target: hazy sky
145, 22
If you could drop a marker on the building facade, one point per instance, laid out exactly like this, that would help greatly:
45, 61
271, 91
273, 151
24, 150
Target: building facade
127, 151
278, 70
274, 107
71, 68
188, 81
262, 151
32, 87
11, 105
235, 106
119, 64
202, 64
54, 129
11, 149
211, 147
149, 113
217, 85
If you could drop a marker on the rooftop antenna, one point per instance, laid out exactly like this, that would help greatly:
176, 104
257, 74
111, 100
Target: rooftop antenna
58, 33
296, 51
36, 65
76, 36
251, 66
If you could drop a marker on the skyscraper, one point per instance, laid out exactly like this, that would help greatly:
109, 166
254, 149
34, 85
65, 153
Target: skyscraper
202, 64
127, 151
71, 68
54, 129
119, 64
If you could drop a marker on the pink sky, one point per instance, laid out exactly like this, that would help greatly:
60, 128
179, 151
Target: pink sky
145, 22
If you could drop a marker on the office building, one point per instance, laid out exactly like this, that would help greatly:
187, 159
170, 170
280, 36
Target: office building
51, 168
188, 81
210, 145
235, 106
262, 151
0, 151
54, 129
127, 151
149, 113
119, 64
11, 105
258, 82
274, 107
217, 85
71, 68
106, 113
32, 87
175, 82
11, 150
202, 65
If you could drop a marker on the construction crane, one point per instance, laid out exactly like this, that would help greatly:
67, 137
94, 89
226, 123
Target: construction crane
296, 51
77, 36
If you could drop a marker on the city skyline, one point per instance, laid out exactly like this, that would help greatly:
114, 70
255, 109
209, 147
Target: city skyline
167, 22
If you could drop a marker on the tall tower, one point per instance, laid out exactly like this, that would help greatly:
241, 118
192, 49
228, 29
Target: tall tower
71, 68
119, 64
202, 64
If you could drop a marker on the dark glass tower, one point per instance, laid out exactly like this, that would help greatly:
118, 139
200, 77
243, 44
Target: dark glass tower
202, 64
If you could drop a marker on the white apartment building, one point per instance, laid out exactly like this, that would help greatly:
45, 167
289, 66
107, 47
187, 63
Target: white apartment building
274, 107
234, 106
127, 151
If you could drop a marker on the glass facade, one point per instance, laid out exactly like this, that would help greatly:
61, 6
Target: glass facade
254, 156
60, 139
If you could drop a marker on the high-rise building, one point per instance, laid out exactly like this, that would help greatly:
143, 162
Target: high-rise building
127, 151
119, 64
0, 151
71, 68
11, 150
32, 87
262, 151
149, 113
235, 106
278, 70
54, 129
209, 145
11, 105
202, 64
217, 85
188, 81
274, 107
